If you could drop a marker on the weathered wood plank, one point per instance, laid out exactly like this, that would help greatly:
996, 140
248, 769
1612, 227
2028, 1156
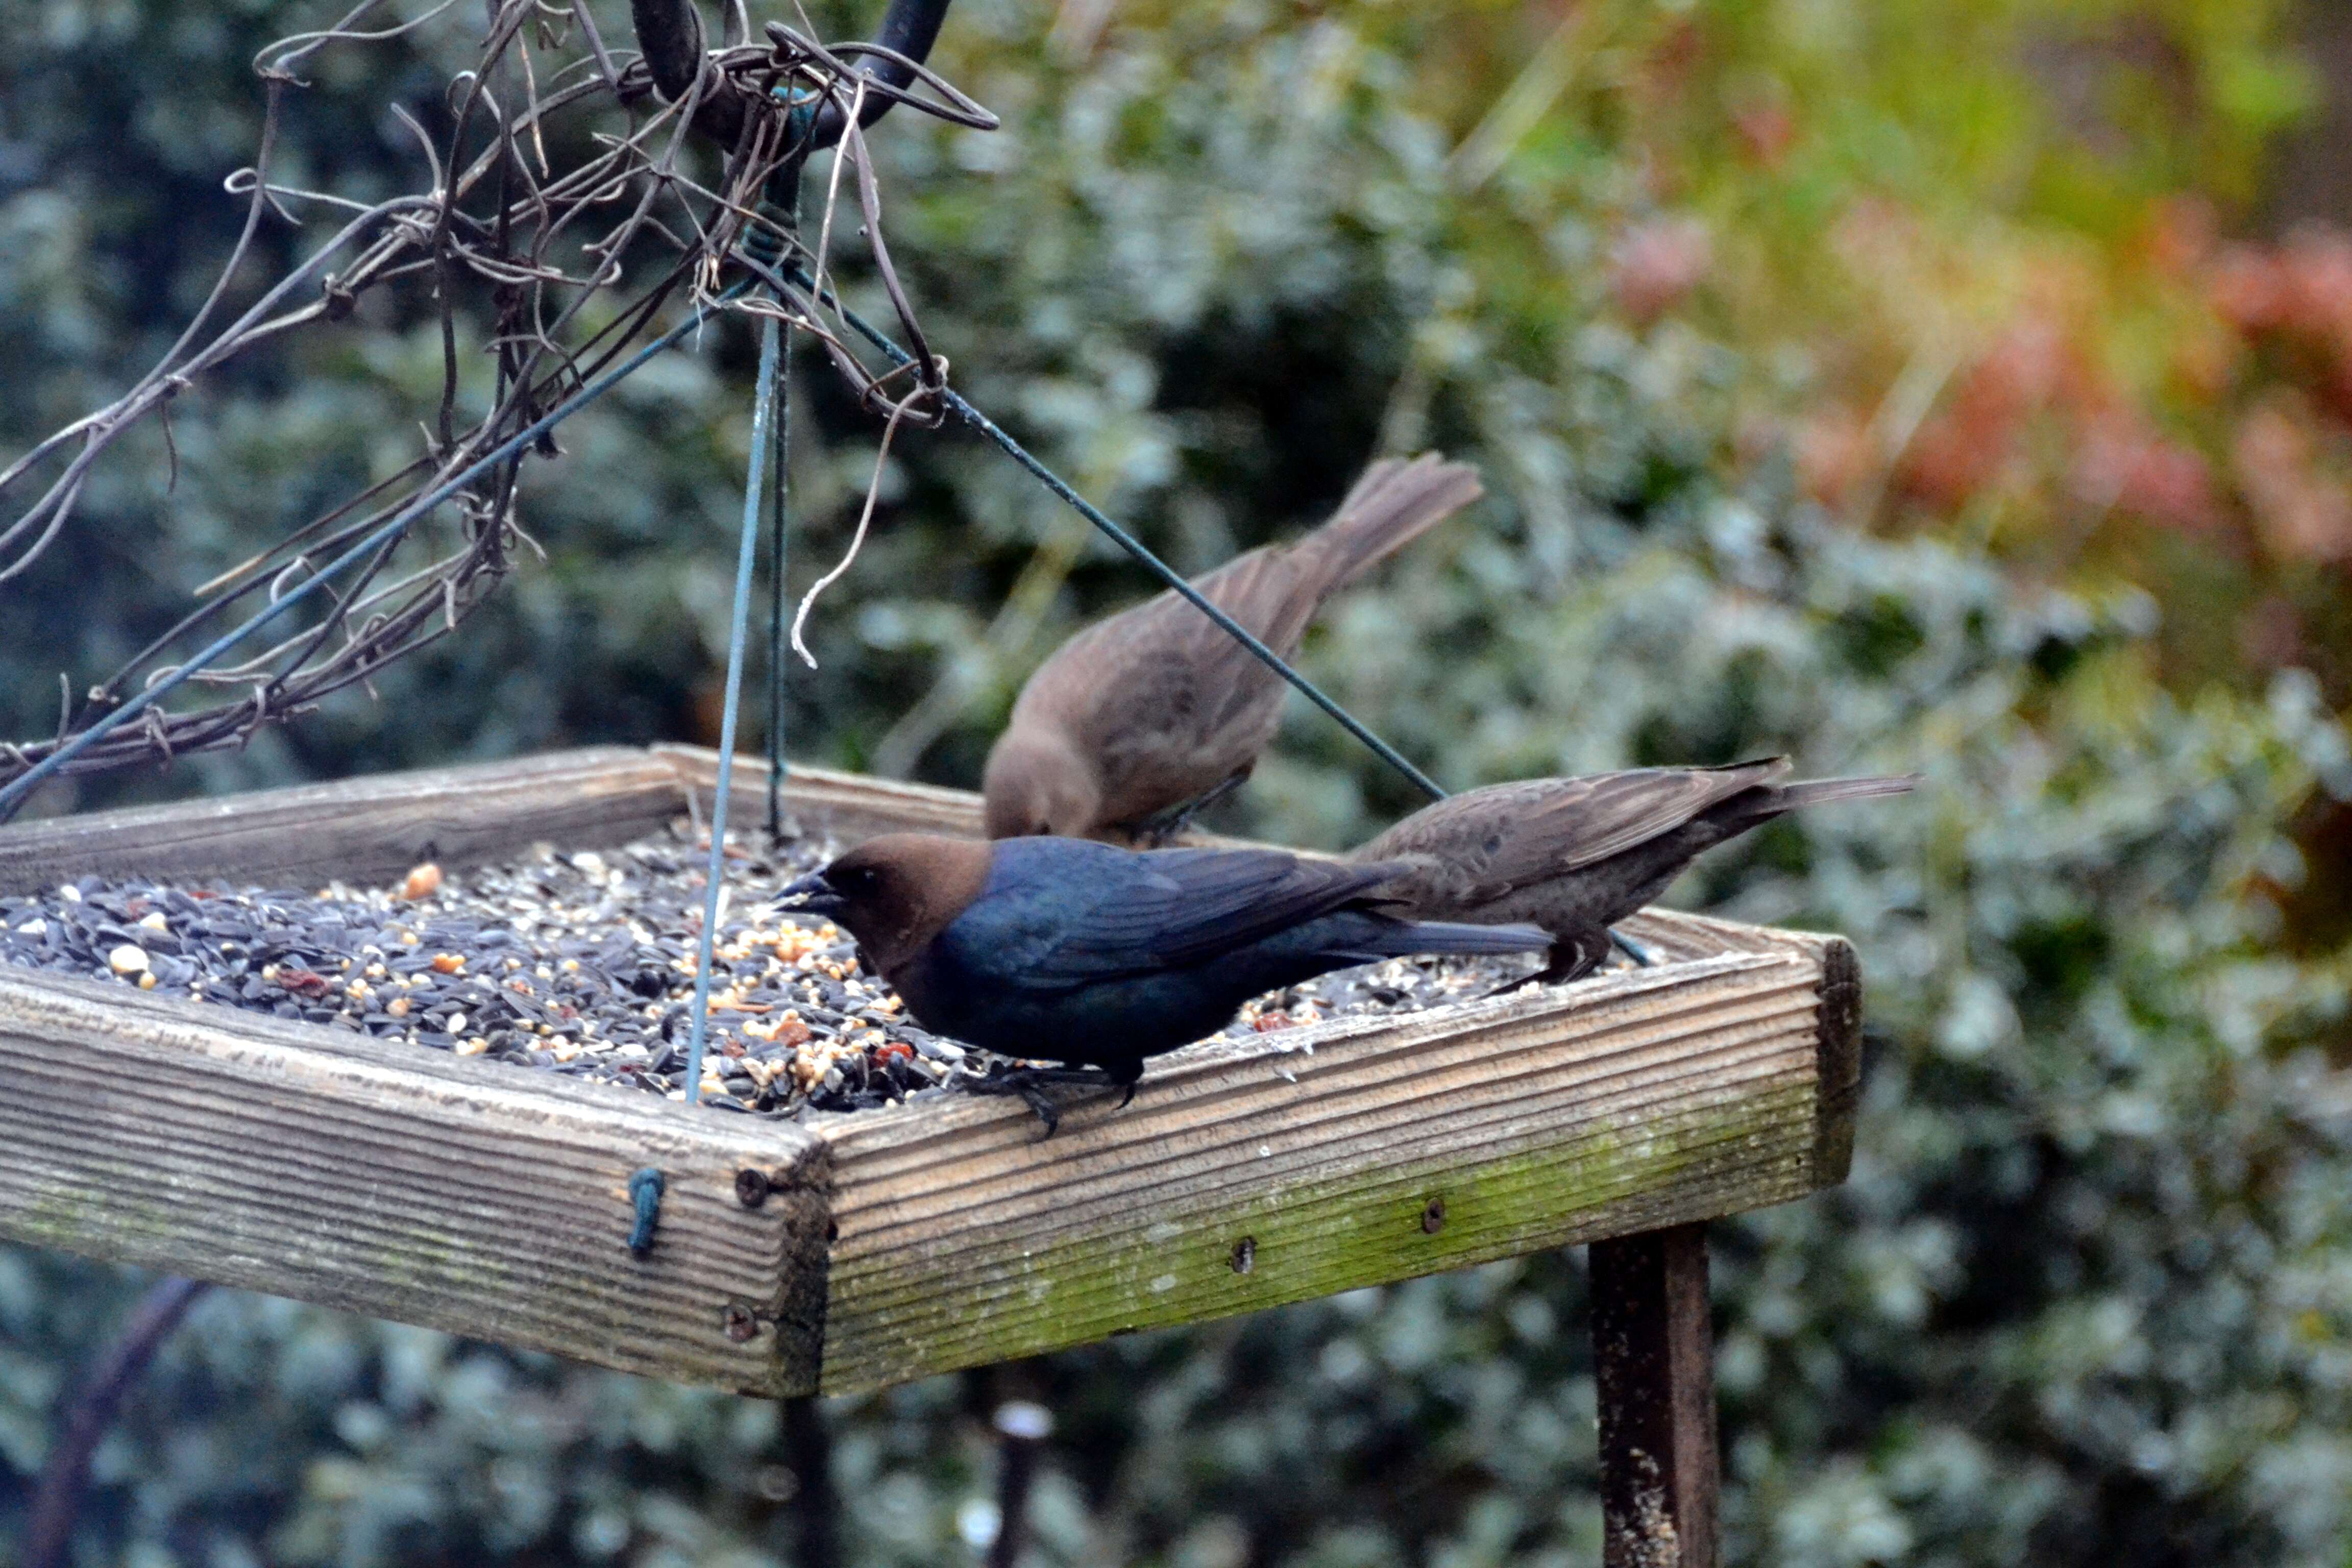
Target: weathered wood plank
1678, 937
484, 1199
491, 1200
1654, 1364
364, 830
1637, 1100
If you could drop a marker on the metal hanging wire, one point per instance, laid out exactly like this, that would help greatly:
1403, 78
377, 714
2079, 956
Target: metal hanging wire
771, 420
1126, 541
764, 421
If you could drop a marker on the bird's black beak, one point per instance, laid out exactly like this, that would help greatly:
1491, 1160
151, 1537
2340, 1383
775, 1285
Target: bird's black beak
812, 895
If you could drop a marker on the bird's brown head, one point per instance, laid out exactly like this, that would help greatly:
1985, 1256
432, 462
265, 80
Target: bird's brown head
896, 892
1036, 782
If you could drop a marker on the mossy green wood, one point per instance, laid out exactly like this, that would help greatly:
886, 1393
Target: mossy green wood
1489, 1131
486, 1200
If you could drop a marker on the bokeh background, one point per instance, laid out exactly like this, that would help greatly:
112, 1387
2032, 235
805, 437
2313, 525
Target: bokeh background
1958, 386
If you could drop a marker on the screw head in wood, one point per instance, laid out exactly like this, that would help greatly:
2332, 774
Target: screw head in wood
741, 1322
751, 1188
1433, 1217
1244, 1255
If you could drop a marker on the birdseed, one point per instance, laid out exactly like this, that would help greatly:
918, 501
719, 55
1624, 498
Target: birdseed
583, 965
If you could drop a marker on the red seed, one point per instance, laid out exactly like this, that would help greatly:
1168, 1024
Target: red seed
302, 983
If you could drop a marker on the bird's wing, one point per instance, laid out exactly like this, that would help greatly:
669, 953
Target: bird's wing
1161, 675
1505, 837
1175, 908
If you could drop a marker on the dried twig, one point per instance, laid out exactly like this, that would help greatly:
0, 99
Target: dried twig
83, 1423
518, 246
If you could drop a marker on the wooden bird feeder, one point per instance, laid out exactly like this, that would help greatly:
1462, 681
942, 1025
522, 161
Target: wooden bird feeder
853, 1250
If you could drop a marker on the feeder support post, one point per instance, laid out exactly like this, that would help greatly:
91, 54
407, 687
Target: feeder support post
1653, 1362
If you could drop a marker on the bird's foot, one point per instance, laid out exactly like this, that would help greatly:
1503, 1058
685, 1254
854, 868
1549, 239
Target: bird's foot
1029, 1084
1574, 957
1571, 958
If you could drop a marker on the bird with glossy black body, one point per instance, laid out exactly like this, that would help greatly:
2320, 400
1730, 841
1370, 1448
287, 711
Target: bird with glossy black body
1094, 956
1575, 855
1139, 721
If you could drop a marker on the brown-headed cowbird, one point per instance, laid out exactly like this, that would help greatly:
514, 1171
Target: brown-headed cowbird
1140, 719
1084, 953
1575, 855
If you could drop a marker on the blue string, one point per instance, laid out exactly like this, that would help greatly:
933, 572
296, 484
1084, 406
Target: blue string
13, 794
1136, 548
645, 1188
764, 411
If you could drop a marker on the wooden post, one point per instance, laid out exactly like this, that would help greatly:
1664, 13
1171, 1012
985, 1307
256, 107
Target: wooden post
1654, 1360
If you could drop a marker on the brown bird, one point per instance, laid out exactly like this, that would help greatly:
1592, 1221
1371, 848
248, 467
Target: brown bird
1575, 855
1140, 719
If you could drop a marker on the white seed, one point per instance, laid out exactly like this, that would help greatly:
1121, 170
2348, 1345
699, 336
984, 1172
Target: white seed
154, 920
128, 959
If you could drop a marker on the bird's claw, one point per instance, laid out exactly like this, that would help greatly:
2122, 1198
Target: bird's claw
1049, 1113
1029, 1085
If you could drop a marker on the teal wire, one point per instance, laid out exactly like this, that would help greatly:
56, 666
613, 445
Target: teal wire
763, 414
1136, 547
13, 794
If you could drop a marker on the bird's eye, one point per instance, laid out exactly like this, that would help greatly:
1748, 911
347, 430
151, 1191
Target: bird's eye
861, 879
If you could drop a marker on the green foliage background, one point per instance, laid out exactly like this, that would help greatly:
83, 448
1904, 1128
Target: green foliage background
2089, 1293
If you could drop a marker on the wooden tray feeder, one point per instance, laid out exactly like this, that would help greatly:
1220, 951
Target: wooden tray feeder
853, 1250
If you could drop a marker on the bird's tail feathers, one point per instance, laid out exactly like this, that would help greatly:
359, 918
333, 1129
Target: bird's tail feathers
1393, 504
1814, 792
1412, 938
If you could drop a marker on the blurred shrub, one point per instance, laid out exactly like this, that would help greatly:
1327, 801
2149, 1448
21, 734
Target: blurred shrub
2089, 1294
